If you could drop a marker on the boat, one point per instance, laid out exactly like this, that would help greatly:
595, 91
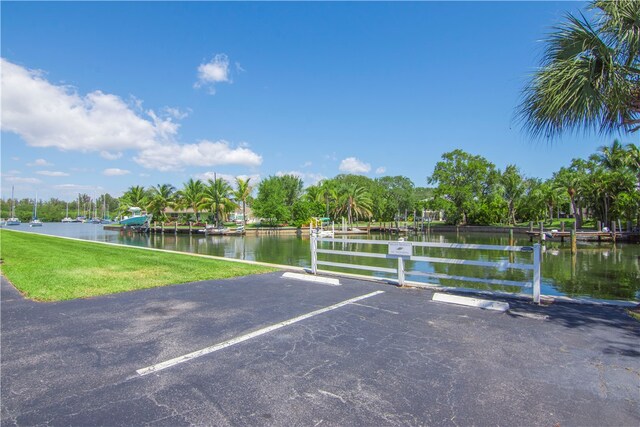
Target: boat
105, 215
66, 218
216, 231
318, 227
35, 222
224, 231
137, 218
13, 220
95, 219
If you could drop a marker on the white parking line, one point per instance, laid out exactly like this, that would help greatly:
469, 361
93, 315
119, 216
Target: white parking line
181, 359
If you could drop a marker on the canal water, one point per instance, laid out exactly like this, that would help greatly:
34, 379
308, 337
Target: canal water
599, 270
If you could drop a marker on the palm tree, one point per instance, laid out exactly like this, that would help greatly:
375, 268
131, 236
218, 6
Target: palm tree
513, 186
354, 201
216, 195
590, 75
571, 181
613, 157
192, 196
162, 197
242, 193
327, 194
136, 195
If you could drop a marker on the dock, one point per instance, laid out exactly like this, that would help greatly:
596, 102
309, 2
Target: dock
586, 236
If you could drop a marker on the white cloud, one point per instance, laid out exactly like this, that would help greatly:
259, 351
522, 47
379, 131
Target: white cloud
213, 72
206, 176
176, 113
40, 162
353, 165
20, 180
110, 156
48, 115
309, 178
115, 172
381, 170
205, 153
306, 164
52, 173
77, 188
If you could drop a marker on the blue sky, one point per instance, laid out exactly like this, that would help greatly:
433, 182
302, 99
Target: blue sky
97, 97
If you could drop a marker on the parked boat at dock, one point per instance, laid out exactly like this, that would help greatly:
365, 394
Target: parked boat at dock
224, 231
67, 218
137, 218
35, 222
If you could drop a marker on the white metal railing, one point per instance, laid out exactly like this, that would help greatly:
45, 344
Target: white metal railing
404, 251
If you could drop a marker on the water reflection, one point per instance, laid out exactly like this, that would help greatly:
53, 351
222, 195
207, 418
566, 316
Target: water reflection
598, 270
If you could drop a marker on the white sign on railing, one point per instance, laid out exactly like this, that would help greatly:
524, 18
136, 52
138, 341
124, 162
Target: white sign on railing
400, 248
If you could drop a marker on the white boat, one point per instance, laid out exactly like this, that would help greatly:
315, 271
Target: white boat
35, 222
66, 218
137, 218
224, 231
13, 220
318, 227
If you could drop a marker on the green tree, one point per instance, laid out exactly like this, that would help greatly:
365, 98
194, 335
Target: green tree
135, 196
242, 193
161, 196
217, 197
572, 180
192, 196
354, 202
513, 185
590, 74
271, 202
398, 191
463, 182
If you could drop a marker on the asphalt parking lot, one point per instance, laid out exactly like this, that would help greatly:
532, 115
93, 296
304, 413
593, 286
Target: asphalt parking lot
288, 352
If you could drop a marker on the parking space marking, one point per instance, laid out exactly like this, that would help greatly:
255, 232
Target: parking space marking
185, 358
376, 308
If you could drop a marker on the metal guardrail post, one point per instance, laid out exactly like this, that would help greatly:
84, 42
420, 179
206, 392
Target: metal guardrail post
536, 272
314, 255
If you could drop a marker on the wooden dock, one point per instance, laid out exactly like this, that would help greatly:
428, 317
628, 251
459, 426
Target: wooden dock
585, 236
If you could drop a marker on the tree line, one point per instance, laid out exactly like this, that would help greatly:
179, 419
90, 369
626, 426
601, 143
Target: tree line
467, 188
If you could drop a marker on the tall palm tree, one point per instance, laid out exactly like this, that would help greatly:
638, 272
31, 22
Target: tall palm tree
162, 196
192, 196
354, 201
216, 195
327, 194
242, 193
571, 181
513, 185
590, 75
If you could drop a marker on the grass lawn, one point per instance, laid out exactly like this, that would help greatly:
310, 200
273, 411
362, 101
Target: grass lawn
46, 268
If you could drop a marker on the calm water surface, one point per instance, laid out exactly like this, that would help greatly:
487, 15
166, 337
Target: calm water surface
603, 271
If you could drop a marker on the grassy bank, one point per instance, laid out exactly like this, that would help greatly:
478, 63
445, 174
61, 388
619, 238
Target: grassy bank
46, 268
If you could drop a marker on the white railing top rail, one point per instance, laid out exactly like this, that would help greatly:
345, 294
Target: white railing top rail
432, 244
